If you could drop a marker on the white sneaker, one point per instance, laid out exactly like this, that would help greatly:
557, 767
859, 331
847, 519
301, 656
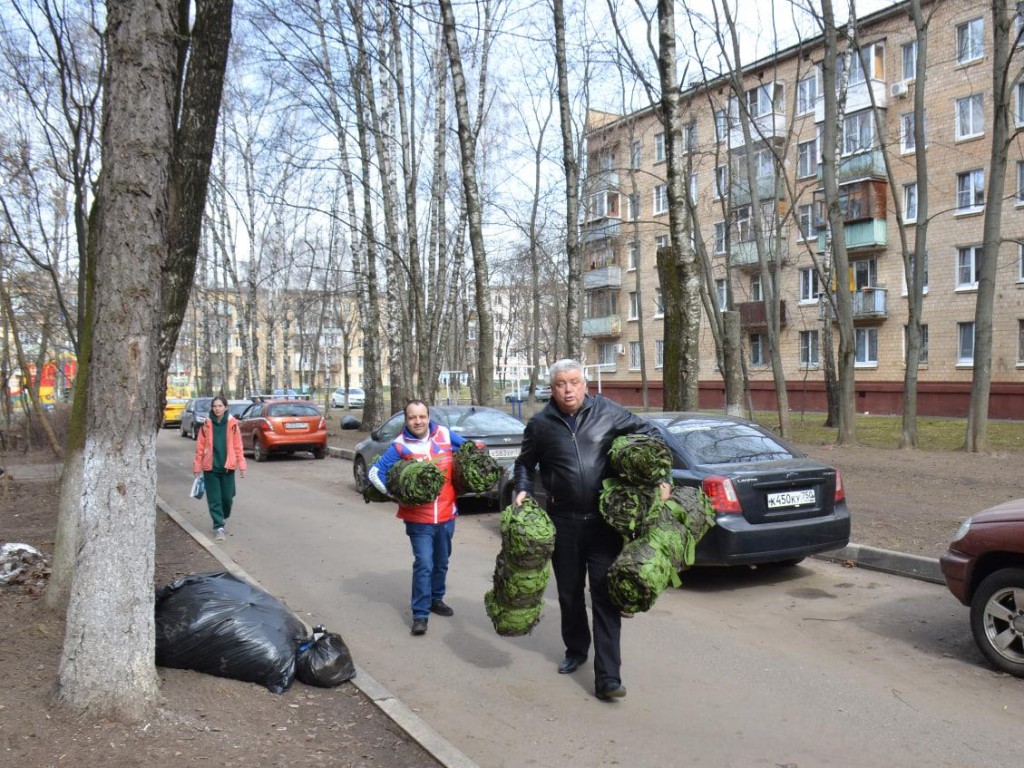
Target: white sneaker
219, 534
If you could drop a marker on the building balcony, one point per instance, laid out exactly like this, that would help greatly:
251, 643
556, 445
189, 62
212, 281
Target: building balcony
744, 254
863, 165
858, 97
609, 325
763, 128
869, 304
600, 230
602, 277
607, 179
860, 236
770, 188
753, 314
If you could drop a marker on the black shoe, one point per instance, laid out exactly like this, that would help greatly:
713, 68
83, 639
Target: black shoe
441, 609
611, 691
419, 626
568, 665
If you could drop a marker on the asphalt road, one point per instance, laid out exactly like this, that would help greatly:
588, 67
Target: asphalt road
817, 665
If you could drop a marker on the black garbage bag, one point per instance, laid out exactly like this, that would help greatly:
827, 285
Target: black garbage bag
324, 660
218, 624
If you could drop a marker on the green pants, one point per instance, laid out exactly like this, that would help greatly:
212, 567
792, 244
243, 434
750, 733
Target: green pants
220, 493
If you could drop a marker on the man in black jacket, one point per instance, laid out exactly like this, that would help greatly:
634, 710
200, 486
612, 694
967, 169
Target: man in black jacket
569, 441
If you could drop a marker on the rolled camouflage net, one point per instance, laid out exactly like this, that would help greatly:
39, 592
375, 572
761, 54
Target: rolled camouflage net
639, 574
693, 509
627, 508
473, 470
519, 588
640, 459
412, 483
512, 622
527, 535
372, 494
521, 569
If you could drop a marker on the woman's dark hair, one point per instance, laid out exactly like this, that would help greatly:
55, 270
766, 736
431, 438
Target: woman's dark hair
405, 410
221, 398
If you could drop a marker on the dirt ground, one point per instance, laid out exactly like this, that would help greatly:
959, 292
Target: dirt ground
904, 501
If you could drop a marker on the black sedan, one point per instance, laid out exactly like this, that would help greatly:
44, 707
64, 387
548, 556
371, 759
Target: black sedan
773, 504
500, 434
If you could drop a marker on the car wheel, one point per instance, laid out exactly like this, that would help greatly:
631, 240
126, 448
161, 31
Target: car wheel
259, 453
181, 428
320, 452
195, 432
997, 619
359, 474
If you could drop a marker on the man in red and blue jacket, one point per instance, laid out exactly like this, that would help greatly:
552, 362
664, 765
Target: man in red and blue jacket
431, 526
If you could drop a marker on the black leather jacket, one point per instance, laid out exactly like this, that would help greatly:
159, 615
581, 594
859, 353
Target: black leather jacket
573, 457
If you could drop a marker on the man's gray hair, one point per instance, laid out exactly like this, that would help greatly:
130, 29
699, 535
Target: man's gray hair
566, 364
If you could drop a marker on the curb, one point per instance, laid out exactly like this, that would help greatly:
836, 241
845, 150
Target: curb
897, 563
402, 716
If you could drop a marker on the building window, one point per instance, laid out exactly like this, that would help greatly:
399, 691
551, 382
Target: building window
858, 132
661, 199
808, 285
1020, 182
910, 202
606, 160
690, 136
756, 294
722, 294
659, 354
1018, 112
606, 355
661, 241
922, 358
634, 256
764, 164
742, 227
632, 207
867, 346
1020, 342
808, 349
970, 117
965, 344
634, 305
910, 60
908, 142
1020, 262
693, 186
721, 181
757, 349
721, 125
805, 221
970, 190
635, 154
659, 303
659, 147
865, 273
967, 261
765, 99
806, 94
634, 355
970, 41
807, 158
924, 274
869, 62
719, 237
470, 332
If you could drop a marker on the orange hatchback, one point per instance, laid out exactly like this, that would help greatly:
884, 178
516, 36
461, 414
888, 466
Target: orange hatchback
283, 426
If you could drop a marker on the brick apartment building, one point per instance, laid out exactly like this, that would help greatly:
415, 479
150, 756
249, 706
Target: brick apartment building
626, 219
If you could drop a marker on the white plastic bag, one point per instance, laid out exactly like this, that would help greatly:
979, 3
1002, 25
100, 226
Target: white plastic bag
198, 488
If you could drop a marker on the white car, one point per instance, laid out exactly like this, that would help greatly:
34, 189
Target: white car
356, 397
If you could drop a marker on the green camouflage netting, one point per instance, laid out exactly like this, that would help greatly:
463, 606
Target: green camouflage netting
512, 622
415, 482
693, 509
372, 494
475, 471
527, 535
640, 459
639, 574
627, 508
516, 588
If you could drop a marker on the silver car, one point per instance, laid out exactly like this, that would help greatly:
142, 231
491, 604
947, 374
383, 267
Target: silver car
356, 397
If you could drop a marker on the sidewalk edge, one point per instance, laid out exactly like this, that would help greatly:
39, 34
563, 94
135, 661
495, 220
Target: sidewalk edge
401, 715
888, 561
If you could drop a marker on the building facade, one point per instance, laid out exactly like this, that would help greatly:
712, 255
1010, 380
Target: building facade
626, 219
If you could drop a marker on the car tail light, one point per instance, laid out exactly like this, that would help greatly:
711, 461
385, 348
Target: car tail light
481, 445
265, 425
722, 494
840, 489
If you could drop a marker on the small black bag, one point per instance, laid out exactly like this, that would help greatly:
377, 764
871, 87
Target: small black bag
324, 660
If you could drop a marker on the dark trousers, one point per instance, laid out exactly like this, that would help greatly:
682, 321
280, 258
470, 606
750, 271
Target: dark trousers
220, 494
586, 548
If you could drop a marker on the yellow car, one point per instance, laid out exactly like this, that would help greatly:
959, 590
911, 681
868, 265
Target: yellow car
172, 411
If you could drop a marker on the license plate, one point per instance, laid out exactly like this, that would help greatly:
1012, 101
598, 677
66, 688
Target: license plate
790, 498
296, 425
504, 453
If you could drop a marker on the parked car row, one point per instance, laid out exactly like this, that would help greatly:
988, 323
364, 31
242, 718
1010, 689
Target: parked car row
542, 393
356, 397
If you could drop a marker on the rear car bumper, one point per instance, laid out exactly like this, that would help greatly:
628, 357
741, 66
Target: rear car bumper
734, 541
956, 569
306, 441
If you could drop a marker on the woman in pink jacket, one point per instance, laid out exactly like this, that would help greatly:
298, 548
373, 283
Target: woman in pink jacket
218, 455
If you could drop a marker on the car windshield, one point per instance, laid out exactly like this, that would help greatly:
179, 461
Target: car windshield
479, 423
292, 409
203, 404
236, 409
719, 442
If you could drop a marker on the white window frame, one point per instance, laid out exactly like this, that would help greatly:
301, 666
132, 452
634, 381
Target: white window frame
807, 93
765, 99
633, 257
970, 191
722, 293
809, 357
660, 199
633, 206
659, 353
635, 153
924, 289
764, 164
873, 55
659, 302
756, 341
808, 285
908, 53
807, 158
922, 359
970, 41
634, 306
659, 147
965, 344
756, 288
910, 202
1018, 113
661, 241
1020, 182
866, 355
634, 355
966, 277
970, 117
690, 136
805, 221
721, 125
865, 139
1020, 343
1020, 262
907, 139
721, 181
720, 232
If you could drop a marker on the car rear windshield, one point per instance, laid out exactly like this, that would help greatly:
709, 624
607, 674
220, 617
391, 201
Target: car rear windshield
479, 423
717, 442
292, 409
